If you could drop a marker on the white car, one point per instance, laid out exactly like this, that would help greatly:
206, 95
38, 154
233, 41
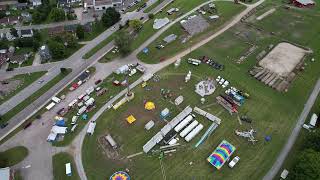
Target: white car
225, 84
74, 120
221, 81
218, 78
234, 161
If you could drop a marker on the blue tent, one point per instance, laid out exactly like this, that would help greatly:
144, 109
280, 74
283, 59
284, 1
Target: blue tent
84, 116
61, 123
145, 50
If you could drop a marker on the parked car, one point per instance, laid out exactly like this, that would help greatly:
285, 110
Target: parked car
3, 125
234, 161
27, 125
9, 69
98, 82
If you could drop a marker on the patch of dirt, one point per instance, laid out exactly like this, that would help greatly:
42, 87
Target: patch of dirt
7, 86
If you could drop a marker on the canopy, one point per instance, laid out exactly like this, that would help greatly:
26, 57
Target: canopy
149, 106
131, 119
221, 154
120, 175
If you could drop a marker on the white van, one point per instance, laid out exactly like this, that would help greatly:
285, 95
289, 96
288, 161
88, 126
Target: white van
74, 120
234, 161
89, 90
56, 100
82, 110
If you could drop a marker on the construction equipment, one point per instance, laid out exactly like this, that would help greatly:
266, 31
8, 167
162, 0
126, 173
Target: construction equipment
247, 134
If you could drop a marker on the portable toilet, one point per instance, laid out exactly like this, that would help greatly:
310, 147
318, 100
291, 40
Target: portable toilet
164, 113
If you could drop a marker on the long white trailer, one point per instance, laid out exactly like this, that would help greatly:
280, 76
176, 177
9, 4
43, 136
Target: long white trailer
183, 123
189, 128
193, 133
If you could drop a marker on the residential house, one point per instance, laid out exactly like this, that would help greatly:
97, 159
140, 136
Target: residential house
68, 2
25, 33
6, 174
102, 4
36, 2
13, 20
26, 16
9, 36
55, 31
3, 56
45, 53
18, 59
303, 3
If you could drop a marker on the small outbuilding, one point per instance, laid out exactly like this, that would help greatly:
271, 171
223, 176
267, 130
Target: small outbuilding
149, 125
303, 3
131, 119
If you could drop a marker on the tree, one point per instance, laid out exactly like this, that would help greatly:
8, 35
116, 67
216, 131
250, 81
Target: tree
307, 167
3, 44
22, 1
37, 17
14, 32
57, 49
57, 14
123, 41
80, 32
37, 35
2, 14
63, 70
136, 25
69, 40
110, 17
151, 16
312, 141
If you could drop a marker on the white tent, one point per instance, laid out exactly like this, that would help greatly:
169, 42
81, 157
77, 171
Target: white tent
159, 23
52, 137
149, 125
59, 130
313, 120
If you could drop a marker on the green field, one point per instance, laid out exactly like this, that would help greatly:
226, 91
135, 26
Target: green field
226, 10
59, 170
6, 117
13, 156
26, 80
273, 113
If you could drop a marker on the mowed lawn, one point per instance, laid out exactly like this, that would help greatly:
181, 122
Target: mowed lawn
59, 168
226, 10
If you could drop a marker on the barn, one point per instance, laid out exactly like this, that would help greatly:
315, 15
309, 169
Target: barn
303, 3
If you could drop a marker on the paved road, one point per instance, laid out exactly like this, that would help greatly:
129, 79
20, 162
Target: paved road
294, 134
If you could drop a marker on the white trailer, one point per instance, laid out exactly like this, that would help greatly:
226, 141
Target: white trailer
74, 127
89, 102
68, 169
51, 105
313, 120
72, 103
82, 110
56, 100
189, 128
91, 127
74, 120
193, 133
183, 123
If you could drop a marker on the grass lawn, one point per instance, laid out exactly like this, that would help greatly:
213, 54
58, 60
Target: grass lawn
6, 117
13, 156
97, 29
26, 80
273, 114
226, 10
99, 102
98, 47
59, 169
152, 6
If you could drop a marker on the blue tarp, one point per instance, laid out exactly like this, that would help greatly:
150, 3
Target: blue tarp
85, 116
145, 50
61, 123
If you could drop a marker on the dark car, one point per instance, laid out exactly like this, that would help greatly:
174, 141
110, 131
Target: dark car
27, 125
3, 125
98, 82
9, 69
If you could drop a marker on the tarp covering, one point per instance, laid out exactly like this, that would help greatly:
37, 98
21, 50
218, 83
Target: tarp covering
131, 119
149, 106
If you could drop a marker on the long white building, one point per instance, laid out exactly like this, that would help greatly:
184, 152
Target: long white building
102, 4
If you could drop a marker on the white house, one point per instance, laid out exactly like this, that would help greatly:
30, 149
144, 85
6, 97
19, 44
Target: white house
36, 3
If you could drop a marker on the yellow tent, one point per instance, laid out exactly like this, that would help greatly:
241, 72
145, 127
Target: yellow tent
131, 119
149, 106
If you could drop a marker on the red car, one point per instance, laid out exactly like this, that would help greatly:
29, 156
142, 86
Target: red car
98, 82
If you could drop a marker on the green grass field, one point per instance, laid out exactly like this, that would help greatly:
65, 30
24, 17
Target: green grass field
13, 156
226, 10
26, 81
273, 113
59, 170
6, 117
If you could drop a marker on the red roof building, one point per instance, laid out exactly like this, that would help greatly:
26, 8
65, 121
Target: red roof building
303, 3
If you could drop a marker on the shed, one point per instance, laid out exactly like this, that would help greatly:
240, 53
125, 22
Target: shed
313, 120
111, 141
68, 169
178, 100
284, 174
5, 173
170, 38
149, 125
164, 113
